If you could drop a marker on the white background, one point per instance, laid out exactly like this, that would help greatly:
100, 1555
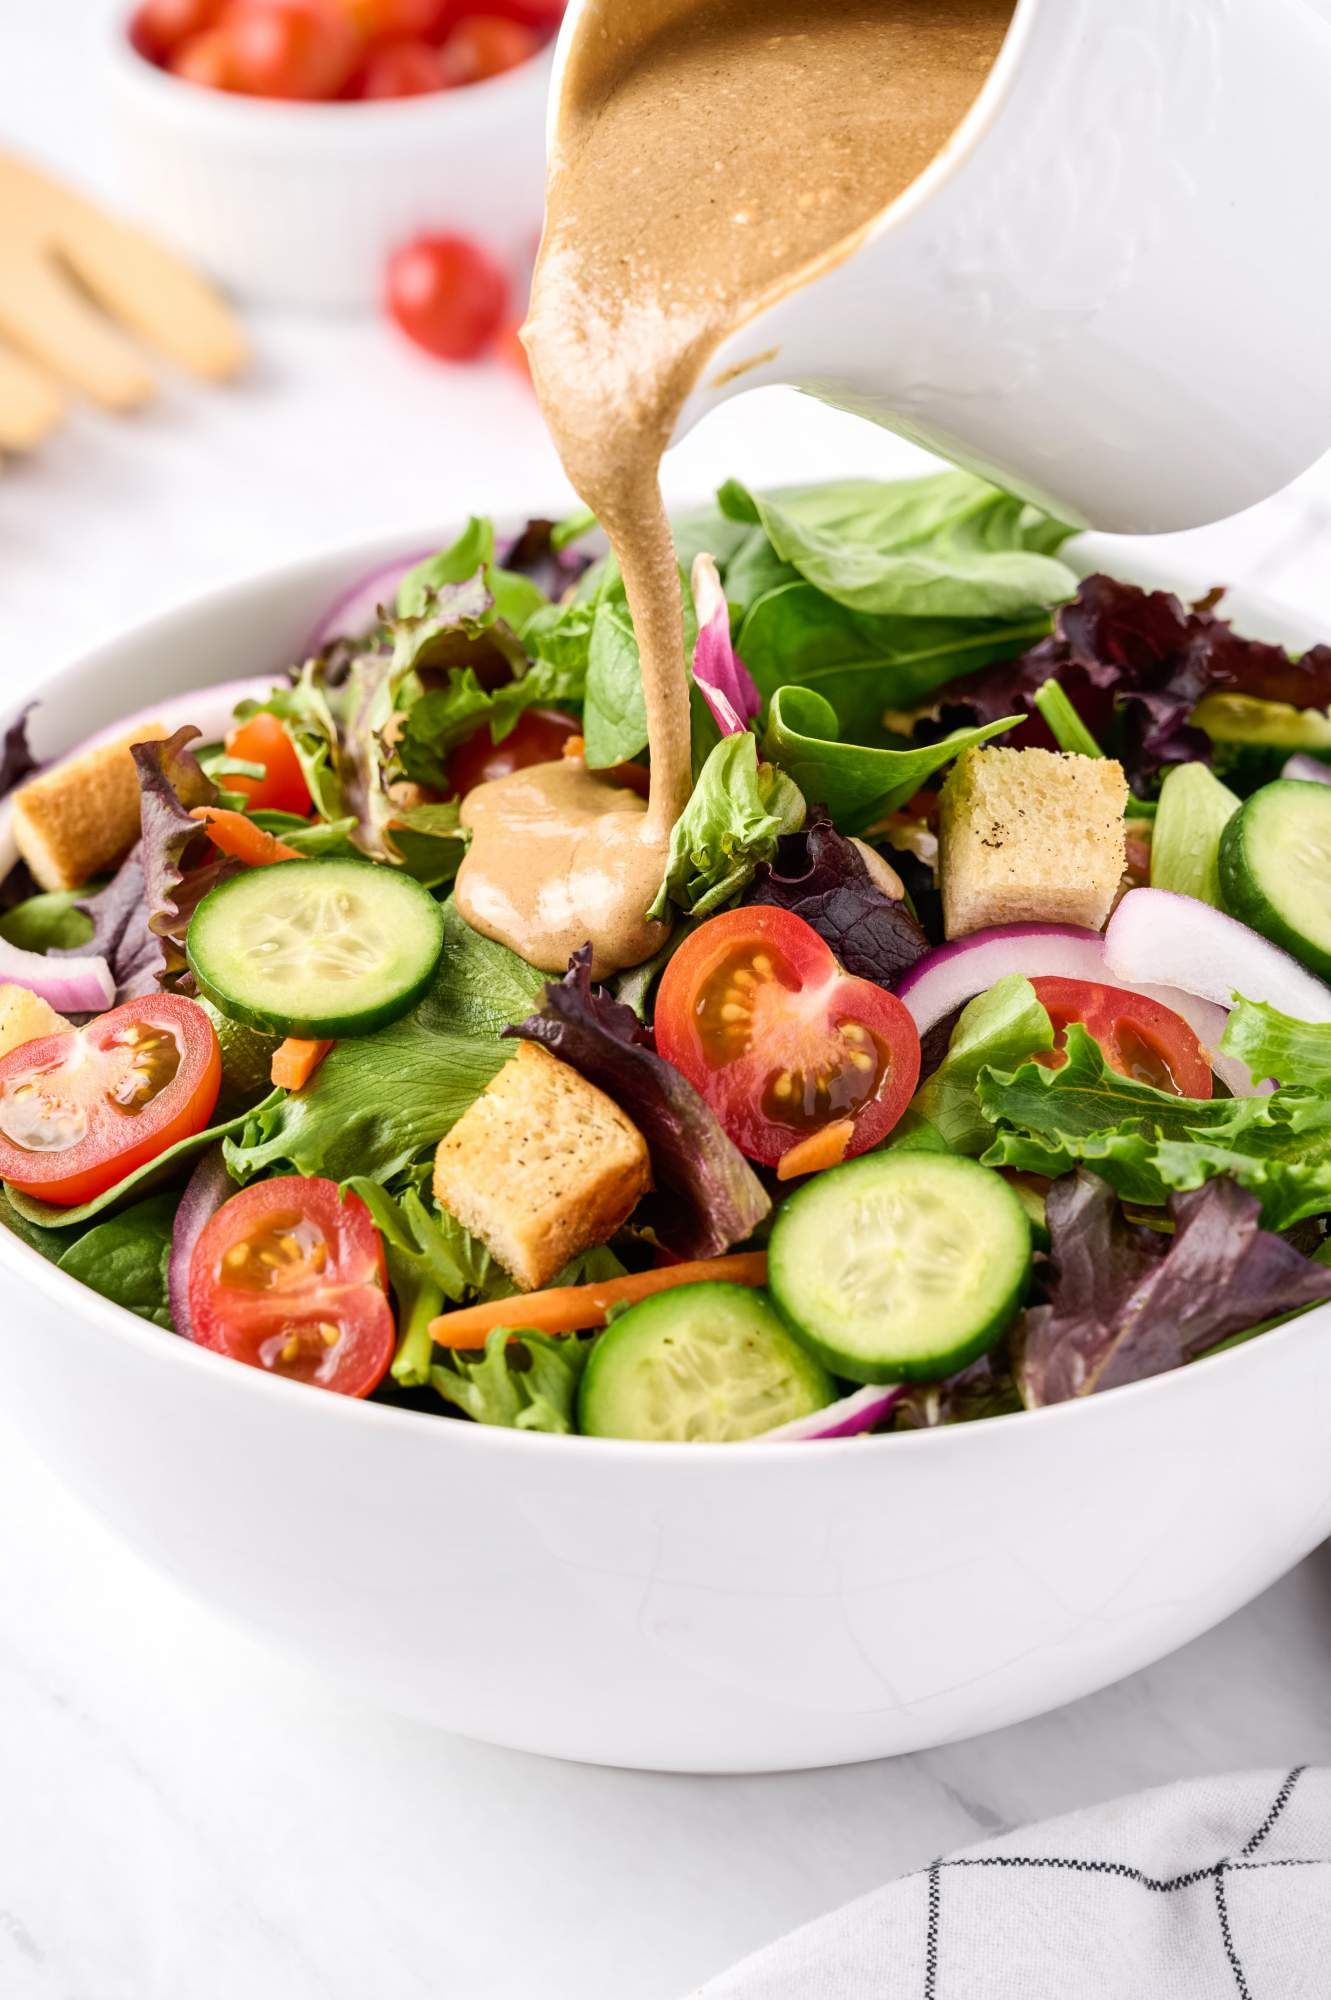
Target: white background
183, 1815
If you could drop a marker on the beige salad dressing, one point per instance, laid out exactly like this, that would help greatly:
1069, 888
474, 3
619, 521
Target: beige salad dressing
711, 155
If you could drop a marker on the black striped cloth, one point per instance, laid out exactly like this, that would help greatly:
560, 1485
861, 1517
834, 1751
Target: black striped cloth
1218, 1889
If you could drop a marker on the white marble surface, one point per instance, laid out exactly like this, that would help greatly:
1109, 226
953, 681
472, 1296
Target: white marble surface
186, 1817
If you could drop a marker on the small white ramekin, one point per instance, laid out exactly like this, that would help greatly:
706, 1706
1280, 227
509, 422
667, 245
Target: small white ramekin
302, 204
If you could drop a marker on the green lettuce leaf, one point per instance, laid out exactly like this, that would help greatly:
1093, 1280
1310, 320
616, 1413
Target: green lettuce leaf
857, 784
945, 546
431, 1258
1193, 811
1273, 1045
739, 809
523, 1381
1145, 1142
997, 1029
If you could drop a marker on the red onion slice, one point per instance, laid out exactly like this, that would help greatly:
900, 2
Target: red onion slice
1203, 951
357, 609
955, 973
70, 985
1307, 770
206, 1189
848, 1418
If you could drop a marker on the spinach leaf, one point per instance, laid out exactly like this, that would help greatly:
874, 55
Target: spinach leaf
125, 1258
856, 783
614, 716
49, 922
866, 666
377, 1102
739, 809
945, 546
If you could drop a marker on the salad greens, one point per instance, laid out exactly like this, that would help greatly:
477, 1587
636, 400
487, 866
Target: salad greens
789, 1118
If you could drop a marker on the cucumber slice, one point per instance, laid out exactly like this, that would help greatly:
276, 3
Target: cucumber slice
323, 948
705, 1364
1275, 868
902, 1266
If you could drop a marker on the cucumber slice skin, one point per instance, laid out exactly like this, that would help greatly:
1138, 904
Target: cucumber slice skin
896, 1342
627, 1389
235, 905
1266, 883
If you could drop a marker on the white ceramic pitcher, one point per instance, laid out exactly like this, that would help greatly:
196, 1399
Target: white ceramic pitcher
1111, 291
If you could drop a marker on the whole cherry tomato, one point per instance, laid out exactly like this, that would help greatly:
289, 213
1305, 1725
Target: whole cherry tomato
447, 295
485, 45
291, 48
755, 1011
83, 1107
205, 59
159, 27
401, 69
1139, 1038
397, 20
282, 788
289, 1276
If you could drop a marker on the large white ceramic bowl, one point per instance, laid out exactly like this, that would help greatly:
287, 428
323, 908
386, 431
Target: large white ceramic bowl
733, 1608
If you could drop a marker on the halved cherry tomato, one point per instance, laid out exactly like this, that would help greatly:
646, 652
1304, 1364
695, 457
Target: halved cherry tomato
485, 45
1139, 1038
282, 788
289, 1277
538, 737
81, 1109
447, 295
291, 48
757, 1014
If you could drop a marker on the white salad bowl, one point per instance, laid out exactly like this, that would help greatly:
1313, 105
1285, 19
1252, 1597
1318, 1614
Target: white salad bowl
741, 1607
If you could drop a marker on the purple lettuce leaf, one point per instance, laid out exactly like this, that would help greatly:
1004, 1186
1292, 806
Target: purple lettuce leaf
706, 1195
1127, 1302
16, 759
823, 877
985, 1389
721, 677
120, 933
533, 554
179, 862
1144, 660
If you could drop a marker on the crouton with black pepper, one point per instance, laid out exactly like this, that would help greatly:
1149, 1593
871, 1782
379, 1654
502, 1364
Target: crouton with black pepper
1030, 836
542, 1167
81, 818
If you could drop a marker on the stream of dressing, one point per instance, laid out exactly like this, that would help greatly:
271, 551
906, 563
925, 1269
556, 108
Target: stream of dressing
711, 155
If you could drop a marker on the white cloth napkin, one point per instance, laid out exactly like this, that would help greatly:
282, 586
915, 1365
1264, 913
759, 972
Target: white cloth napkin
1215, 1890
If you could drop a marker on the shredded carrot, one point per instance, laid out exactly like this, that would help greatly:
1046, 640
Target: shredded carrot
295, 1061
241, 838
569, 1308
824, 1148
573, 746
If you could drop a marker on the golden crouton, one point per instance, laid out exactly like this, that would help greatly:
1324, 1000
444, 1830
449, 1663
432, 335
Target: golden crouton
541, 1167
1030, 836
24, 1016
82, 818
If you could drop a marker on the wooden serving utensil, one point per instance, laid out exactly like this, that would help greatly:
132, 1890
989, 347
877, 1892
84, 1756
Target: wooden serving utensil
68, 273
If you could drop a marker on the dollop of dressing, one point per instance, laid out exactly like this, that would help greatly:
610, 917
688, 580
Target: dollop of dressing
710, 156
560, 858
